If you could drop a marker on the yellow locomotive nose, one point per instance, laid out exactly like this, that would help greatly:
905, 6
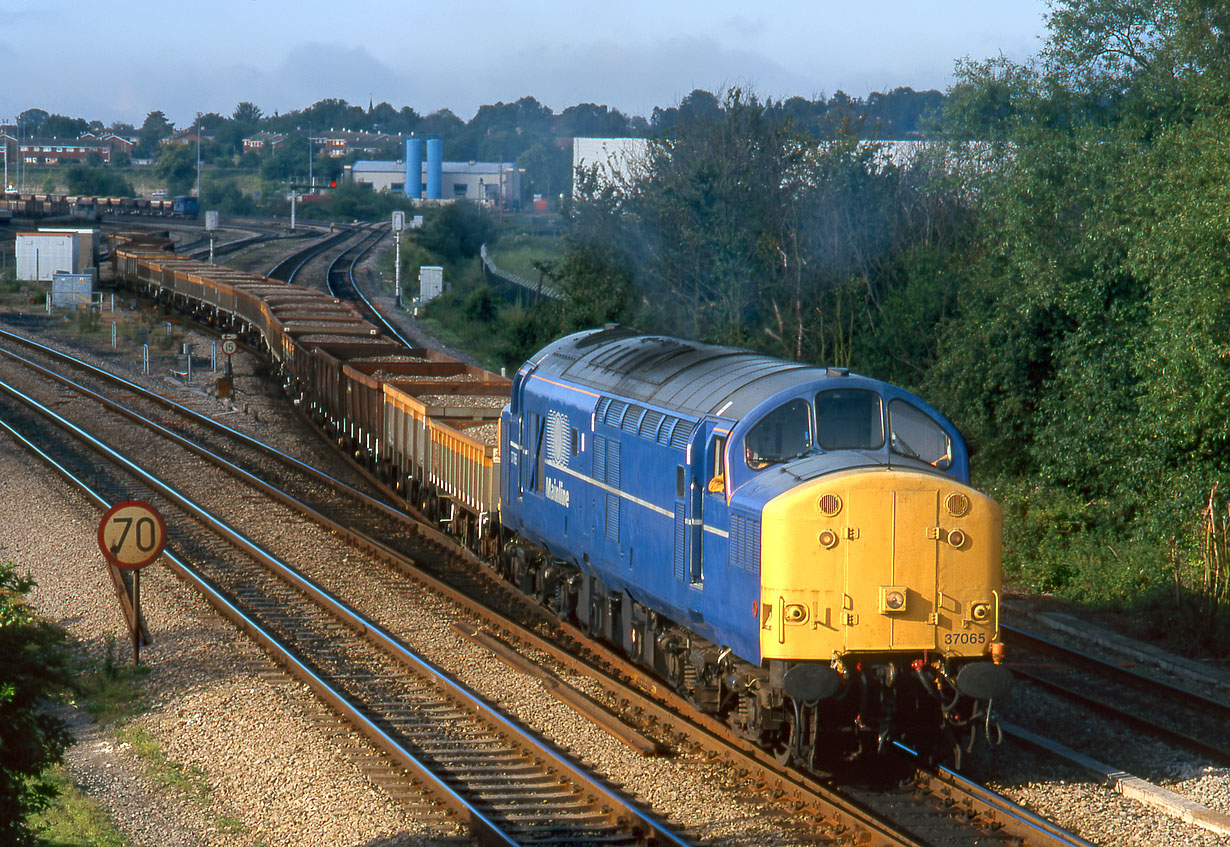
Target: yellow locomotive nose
871, 561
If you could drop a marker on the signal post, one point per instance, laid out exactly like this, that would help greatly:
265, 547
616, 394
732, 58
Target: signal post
131, 535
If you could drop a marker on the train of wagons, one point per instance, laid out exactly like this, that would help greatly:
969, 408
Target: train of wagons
20, 205
795, 549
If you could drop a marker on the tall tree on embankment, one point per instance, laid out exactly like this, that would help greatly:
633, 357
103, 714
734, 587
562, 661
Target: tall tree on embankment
1090, 356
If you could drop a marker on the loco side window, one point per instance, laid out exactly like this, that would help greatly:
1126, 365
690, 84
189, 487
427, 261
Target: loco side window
913, 433
849, 419
717, 479
781, 435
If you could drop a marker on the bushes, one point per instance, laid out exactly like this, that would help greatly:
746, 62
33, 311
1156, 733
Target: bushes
36, 670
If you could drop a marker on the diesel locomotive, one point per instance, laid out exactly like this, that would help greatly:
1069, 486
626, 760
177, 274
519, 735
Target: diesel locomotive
795, 549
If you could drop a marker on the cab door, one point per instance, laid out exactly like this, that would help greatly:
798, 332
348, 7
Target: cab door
715, 512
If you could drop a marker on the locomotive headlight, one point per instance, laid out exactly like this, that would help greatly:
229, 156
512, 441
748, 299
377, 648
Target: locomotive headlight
980, 612
827, 539
892, 599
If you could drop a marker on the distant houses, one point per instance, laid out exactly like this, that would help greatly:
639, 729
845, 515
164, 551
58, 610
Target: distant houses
57, 151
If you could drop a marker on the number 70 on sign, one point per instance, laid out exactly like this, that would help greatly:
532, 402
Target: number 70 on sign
132, 534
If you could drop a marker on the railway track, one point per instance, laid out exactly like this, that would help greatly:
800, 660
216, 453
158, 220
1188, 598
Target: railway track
1147, 703
289, 268
923, 813
507, 785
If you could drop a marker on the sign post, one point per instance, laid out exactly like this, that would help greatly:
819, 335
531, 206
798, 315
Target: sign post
131, 535
229, 346
399, 223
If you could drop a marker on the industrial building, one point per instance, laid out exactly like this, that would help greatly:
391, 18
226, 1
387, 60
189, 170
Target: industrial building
430, 178
616, 159
43, 254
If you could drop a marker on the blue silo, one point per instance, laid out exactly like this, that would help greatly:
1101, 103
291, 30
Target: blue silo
435, 167
414, 168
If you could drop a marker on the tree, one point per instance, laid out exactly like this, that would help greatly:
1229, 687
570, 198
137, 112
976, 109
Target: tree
1087, 357
100, 182
152, 132
247, 115
441, 124
58, 126
456, 231
30, 122
547, 169
37, 670
740, 228
176, 166
289, 161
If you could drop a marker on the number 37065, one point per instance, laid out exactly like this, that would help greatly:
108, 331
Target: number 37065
965, 638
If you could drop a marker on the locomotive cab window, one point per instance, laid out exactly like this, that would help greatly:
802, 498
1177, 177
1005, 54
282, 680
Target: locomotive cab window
781, 435
717, 479
849, 419
913, 433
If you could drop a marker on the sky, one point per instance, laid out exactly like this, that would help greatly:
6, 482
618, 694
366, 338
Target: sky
120, 61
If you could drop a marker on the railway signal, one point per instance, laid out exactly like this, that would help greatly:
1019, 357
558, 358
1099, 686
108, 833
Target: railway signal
398, 224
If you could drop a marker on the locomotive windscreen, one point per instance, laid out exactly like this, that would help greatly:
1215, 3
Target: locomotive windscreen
849, 419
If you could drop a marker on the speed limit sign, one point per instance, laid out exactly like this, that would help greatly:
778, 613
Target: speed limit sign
229, 346
132, 534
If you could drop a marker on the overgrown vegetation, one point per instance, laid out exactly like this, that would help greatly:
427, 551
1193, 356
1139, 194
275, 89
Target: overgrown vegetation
37, 671
110, 690
74, 820
1056, 280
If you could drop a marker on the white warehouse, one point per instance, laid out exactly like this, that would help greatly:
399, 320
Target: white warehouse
496, 184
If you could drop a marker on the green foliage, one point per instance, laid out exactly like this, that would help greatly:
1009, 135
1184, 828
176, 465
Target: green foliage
357, 201
36, 671
176, 167
153, 131
188, 780
74, 820
98, 182
226, 197
1088, 354
111, 687
456, 231
739, 228
30, 122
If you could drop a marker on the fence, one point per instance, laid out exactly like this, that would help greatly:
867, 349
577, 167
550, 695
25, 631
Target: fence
496, 278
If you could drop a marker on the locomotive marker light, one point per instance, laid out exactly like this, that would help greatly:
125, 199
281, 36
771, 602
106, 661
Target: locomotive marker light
892, 599
131, 535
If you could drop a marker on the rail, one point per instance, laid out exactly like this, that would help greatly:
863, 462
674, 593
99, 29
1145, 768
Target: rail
570, 802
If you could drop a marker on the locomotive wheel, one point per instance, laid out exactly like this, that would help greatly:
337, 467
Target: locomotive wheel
782, 747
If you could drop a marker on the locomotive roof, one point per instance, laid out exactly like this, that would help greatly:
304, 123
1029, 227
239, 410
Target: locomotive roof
672, 373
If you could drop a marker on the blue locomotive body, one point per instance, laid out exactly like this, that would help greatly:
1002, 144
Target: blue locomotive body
613, 442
